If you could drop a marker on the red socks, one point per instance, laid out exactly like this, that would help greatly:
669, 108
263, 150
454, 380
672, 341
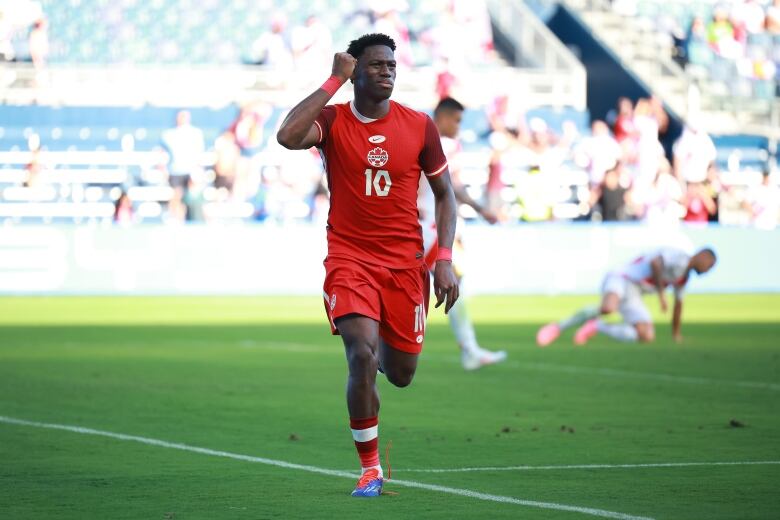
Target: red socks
365, 432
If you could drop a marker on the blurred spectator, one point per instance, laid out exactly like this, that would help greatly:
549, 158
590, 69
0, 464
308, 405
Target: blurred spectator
34, 166
194, 199
763, 203
227, 155
748, 14
536, 191
7, 52
694, 153
697, 48
648, 149
598, 153
387, 20
505, 115
720, 34
185, 146
624, 122
312, 48
663, 200
249, 131
272, 48
699, 204
610, 196
123, 209
773, 18
445, 80
494, 183
39, 43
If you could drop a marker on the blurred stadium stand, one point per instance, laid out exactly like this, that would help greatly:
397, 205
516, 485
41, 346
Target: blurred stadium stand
88, 125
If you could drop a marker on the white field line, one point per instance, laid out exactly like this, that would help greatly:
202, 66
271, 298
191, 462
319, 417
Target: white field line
322, 471
613, 372
592, 466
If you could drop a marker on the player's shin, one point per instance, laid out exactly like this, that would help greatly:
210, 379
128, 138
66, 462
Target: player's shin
365, 433
619, 331
580, 317
461, 326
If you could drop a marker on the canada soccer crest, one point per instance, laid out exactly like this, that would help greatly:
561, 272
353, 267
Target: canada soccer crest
378, 157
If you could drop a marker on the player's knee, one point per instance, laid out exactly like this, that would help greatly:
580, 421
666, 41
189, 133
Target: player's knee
646, 333
400, 378
362, 360
608, 307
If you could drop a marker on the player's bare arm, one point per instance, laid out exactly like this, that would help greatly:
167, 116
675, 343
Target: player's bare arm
462, 196
677, 319
657, 266
445, 283
298, 131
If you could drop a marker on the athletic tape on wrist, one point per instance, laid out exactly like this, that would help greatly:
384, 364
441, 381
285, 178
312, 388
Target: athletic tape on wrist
444, 253
332, 84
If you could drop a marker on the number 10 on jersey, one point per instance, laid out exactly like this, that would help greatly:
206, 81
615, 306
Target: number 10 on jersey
375, 181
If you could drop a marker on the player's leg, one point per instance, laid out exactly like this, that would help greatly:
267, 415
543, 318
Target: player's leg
352, 303
614, 292
361, 344
472, 355
399, 366
611, 291
405, 295
637, 324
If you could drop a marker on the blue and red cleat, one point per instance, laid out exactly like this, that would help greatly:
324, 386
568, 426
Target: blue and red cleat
369, 485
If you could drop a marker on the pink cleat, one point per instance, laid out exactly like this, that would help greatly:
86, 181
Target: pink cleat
587, 331
548, 334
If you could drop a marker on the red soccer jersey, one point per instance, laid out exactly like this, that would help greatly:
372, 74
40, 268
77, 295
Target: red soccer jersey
373, 169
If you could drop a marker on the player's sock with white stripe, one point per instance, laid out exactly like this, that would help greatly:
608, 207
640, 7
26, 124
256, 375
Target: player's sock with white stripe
365, 433
461, 326
618, 331
580, 317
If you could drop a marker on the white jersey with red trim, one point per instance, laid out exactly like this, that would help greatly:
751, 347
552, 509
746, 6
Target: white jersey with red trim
426, 202
674, 272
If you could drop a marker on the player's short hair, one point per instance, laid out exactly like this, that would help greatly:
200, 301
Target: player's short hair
356, 47
710, 252
448, 104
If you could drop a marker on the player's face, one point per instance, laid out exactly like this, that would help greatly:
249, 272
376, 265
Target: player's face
450, 124
704, 262
375, 72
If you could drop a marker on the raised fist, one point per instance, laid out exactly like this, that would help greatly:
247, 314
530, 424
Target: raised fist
343, 65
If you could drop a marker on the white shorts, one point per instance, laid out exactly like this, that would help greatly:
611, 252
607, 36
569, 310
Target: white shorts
631, 305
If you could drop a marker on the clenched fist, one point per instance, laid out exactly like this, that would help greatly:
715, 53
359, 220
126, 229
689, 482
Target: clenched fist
343, 65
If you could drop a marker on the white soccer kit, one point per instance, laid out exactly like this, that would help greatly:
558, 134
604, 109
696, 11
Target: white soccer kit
636, 278
426, 202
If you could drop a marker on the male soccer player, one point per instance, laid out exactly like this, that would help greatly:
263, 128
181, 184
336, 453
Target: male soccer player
447, 117
376, 283
622, 291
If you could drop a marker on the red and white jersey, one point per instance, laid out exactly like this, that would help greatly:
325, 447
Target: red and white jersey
373, 168
426, 202
674, 273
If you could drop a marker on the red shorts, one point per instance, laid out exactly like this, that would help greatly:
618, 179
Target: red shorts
396, 298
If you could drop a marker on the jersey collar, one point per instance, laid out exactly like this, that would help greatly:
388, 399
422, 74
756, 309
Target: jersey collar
360, 117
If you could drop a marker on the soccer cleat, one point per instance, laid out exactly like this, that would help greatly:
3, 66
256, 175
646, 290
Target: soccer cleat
587, 331
481, 357
369, 485
548, 334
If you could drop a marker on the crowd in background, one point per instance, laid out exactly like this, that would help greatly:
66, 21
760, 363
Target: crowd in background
524, 169
736, 42
618, 171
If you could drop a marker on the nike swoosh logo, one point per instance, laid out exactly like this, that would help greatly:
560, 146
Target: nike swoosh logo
376, 139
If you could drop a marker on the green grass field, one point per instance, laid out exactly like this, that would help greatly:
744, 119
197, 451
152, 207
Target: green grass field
262, 377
